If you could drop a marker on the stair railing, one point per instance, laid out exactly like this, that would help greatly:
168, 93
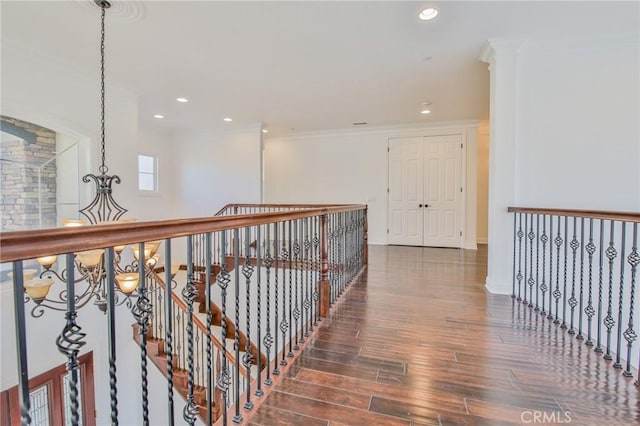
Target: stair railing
288, 262
579, 269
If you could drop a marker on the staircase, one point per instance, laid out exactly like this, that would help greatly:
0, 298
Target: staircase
157, 349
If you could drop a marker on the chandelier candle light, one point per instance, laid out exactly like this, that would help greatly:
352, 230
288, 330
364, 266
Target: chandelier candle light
90, 266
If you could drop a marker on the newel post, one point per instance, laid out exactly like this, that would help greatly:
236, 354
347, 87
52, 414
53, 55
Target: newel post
324, 300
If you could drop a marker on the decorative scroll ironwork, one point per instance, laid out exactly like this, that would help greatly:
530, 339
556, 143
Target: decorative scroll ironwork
590, 310
223, 280
284, 325
247, 358
609, 322
630, 334
189, 294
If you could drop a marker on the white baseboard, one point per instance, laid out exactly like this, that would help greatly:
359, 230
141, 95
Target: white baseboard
470, 246
482, 241
497, 289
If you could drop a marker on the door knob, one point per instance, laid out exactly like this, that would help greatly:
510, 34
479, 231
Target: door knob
419, 205
426, 205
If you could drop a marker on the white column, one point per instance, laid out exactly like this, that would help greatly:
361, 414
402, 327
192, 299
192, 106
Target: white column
502, 57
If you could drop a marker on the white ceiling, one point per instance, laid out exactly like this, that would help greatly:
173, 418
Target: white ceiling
301, 65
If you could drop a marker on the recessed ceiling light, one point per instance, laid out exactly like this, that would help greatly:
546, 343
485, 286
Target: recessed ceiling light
158, 116
182, 100
428, 14
265, 131
228, 119
425, 111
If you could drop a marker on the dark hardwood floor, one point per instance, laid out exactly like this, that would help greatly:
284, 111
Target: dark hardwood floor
418, 341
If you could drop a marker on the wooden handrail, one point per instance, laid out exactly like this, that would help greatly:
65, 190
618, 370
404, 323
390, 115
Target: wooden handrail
276, 205
19, 245
593, 214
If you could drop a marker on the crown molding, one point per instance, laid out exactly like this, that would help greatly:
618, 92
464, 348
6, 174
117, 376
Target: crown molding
388, 131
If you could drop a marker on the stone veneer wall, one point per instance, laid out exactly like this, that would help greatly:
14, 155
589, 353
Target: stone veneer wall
20, 190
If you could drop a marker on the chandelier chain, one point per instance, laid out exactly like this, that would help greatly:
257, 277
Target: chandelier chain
103, 168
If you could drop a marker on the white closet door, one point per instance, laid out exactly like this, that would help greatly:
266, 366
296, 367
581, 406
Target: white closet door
442, 191
406, 191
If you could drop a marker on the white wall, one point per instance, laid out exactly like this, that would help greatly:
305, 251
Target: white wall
215, 168
352, 167
564, 132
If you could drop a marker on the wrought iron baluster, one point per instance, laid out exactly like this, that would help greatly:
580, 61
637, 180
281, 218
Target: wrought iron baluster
519, 276
557, 293
290, 304
21, 339
237, 417
268, 338
224, 378
550, 314
598, 348
630, 334
207, 282
537, 308
284, 325
307, 263
276, 245
579, 336
300, 270
589, 310
513, 277
111, 331
609, 322
543, 286
70, 341
572, 300
525, 278
316, 281
259, 391
618, 364
531, 281
296, 310
564, 284
247, 359
189, 294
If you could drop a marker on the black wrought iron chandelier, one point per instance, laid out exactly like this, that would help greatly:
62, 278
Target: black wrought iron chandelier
90, 265
103, 207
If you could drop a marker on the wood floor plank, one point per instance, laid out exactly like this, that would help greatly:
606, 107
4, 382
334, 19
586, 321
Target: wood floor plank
418, 340
271, 416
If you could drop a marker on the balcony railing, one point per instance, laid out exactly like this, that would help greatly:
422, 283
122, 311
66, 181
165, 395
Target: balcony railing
579, 269
273, 270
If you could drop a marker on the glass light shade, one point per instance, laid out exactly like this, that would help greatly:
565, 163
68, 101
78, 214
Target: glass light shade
27, 274
90, 258
175, 267
154, 245
47, 260
128, 282
38, 288
153, 261
69, 223
150, 249
118, 249
135, 248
